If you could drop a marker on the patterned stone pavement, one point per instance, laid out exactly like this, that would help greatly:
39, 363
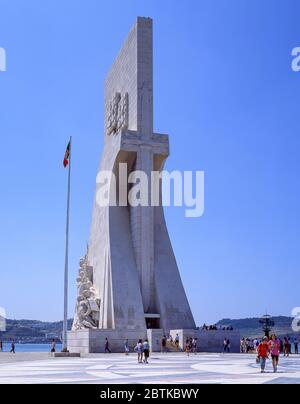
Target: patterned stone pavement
163, 368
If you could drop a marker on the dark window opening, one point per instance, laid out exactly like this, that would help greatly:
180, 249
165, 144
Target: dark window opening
153, 323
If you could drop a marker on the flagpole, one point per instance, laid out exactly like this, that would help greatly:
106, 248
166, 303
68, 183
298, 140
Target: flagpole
66, 275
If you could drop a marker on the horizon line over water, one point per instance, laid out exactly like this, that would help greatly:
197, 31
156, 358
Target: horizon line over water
30, 347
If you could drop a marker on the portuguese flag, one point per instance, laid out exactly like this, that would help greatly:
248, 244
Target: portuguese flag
67, 155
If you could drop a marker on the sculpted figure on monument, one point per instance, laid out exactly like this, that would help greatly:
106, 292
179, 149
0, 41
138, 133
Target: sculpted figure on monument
88, 303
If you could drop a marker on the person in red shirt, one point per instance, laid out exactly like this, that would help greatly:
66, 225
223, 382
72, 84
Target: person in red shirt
263, 353
274, 348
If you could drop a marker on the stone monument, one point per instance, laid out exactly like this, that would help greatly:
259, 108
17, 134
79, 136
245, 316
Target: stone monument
129, 285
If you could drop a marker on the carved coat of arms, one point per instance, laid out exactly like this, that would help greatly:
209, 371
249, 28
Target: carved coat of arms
117, 114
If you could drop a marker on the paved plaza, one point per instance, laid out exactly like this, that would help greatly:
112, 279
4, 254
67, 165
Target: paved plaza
163, 368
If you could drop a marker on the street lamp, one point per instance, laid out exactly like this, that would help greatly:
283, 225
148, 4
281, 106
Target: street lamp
267, 324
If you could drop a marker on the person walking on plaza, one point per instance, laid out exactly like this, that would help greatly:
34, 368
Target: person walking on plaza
296, 345
274, 349
146, 350
187, 347
263, 353
164, 344
53, 346
13, 347
1, 345
106, 346
139, 349
126, 346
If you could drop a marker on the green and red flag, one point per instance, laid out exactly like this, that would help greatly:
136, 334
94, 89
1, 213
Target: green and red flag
67, 155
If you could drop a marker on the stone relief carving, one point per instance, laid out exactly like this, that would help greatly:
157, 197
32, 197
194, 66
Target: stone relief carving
88, 302
117, 114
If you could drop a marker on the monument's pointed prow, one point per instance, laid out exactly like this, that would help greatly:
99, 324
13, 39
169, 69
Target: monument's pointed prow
129, 281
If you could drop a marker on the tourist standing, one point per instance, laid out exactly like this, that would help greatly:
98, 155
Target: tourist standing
177, 342
195, 346
13, 347
139, 350
126, 346
187, 347
106, 346
191, 344
274, 348
1, 345
289, 346
53, 346
146, 350
263, 353
281, 346
296, 344
164, 344
242, 345
286, 347
225, 345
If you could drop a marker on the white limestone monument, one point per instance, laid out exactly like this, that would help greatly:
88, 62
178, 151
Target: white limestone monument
129, 284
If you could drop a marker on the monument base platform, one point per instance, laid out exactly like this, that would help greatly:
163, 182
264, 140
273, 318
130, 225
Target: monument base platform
93, 341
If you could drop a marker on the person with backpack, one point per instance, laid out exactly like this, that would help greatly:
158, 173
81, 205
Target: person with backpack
263, 353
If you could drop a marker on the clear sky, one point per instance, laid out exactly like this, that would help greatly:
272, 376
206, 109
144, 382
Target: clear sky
226, 94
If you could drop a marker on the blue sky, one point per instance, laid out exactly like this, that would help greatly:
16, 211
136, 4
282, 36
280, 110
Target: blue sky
226, 94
